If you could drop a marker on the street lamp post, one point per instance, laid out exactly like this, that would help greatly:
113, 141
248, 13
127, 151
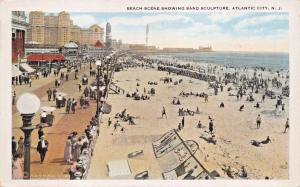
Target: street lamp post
27, 105
98, 65
108, 61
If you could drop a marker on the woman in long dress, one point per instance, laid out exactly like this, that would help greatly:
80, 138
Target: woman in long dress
68, 150
17, 170
73, 106
77, 151
68, 107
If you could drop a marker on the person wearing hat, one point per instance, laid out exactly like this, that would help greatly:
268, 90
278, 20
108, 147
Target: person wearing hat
20, 149
43, 116
42, 148
59, 100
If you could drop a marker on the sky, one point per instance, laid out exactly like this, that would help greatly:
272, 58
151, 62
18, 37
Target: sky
223, 31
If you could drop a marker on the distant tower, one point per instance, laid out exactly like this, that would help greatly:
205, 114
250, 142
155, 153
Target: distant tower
108, 36
147, 33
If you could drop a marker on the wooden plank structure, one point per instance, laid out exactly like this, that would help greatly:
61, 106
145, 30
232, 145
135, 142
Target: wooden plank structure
188, 73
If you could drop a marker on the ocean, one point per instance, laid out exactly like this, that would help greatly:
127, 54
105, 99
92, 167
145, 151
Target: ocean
274, 61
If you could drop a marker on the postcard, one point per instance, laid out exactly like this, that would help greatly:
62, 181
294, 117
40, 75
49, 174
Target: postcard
184, 93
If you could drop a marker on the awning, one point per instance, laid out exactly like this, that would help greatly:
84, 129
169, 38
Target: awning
45, 57
15, 71
27, 68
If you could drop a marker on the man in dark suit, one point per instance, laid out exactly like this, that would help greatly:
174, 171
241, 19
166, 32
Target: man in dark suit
14, 146
40, 132
49, 93
42, 148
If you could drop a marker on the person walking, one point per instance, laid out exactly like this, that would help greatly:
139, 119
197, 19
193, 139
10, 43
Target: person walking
182, 122
282, 107
258, 121
116, 125
287, 125
43, 117
205, 98
54, 94
49, 93
14, 98
109, 122
199, 125
164, 113
30, 81
81, 102
40, 132
68, 106
74, 103
56, 83
211, 126
77, 148
179, 127
42, 148
68, 150
263, 98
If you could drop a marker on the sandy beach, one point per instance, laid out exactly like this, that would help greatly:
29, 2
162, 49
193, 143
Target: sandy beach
234, 129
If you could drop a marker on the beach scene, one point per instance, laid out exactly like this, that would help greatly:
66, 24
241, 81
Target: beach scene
150, 96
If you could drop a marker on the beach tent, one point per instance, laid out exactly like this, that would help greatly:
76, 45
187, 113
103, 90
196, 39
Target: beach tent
15, 71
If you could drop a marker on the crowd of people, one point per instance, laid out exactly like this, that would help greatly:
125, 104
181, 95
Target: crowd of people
79, 149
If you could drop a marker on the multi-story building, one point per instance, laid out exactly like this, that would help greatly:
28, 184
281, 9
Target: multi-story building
59, 30
19, 25
85, 37
96, 33
63, 33
51, 29
75, 33
36, 29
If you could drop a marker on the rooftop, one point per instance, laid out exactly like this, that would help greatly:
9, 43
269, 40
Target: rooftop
71, 45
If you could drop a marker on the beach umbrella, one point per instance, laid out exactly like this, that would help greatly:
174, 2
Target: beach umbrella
61, 93
47, 108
